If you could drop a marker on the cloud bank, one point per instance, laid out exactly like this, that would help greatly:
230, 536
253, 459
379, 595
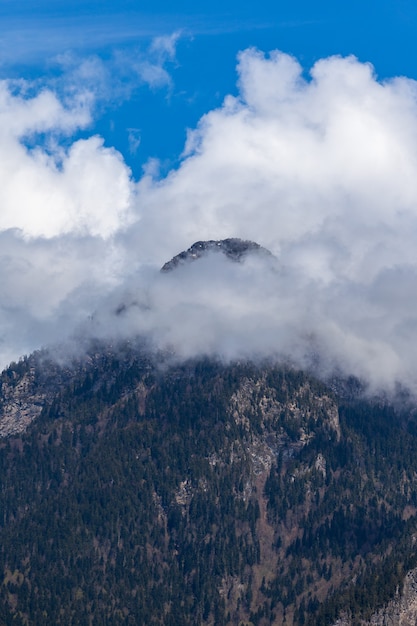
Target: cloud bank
319, 168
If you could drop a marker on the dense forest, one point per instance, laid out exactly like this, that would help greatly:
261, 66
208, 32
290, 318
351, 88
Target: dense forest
150, 492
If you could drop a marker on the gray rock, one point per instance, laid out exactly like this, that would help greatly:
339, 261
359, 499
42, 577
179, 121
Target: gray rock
234, 249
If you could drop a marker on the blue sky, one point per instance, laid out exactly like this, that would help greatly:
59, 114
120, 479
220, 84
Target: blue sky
130, 130
35, 35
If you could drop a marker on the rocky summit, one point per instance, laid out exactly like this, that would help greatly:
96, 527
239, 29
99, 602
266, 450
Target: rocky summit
234, 249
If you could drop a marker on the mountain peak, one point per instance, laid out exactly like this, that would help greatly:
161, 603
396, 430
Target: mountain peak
233, 248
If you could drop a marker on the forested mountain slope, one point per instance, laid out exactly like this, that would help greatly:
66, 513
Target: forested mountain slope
147, 492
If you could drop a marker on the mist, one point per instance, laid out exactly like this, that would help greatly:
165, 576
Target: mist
318, 165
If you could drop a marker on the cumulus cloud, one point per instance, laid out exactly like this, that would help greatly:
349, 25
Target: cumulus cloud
319, 168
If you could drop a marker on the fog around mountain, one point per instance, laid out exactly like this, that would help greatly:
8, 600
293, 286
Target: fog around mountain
319, 168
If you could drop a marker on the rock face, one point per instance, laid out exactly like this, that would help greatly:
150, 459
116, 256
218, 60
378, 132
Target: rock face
233, 248
23, 393
30, 385
20, 404
400, 611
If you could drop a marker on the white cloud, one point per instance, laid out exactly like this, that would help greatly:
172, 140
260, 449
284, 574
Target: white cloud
301, 158
321, 170
21, 115
110, 82
164, 46
151, 67
134, 139
48, 191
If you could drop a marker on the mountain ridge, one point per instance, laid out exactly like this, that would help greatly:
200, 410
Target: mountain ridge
200, 493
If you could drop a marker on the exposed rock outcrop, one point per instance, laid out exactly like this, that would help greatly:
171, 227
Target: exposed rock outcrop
21, 403
401, 611
233, 248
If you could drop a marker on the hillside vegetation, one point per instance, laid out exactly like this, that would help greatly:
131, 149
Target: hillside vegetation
199, 493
